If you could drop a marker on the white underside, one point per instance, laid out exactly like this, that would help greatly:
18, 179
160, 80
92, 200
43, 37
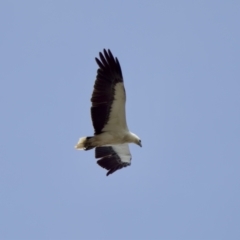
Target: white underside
117, 118
123, 152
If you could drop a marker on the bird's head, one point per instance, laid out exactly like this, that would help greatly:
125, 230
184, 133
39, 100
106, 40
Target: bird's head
136, 139
139, 142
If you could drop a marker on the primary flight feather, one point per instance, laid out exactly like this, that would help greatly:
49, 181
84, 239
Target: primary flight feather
111, 137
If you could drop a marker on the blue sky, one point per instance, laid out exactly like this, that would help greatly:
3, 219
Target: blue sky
181, 66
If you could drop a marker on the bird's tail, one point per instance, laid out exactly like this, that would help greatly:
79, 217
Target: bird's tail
85, 143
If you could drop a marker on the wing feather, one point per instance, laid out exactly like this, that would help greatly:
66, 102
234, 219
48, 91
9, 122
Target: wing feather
113, 157
108, 98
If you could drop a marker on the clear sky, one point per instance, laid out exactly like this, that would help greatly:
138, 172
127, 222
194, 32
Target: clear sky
181, 66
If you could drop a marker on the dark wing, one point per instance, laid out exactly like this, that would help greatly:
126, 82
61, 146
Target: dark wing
108, 98
113, 157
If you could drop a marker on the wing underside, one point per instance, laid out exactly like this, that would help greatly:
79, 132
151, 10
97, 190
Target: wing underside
108, 98
113, 157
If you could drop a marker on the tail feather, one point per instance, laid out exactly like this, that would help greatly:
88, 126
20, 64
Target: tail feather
84, 143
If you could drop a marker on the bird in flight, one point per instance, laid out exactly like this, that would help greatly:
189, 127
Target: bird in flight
111, 137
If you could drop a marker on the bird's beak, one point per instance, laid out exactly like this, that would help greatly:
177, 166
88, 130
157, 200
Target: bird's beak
139, 144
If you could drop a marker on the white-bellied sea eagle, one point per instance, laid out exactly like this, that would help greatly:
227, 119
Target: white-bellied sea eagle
111, 137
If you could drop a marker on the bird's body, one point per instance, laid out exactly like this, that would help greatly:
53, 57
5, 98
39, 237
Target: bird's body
106, 139
111, 136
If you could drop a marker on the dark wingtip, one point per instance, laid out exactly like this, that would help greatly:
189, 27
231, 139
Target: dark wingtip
105, 51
